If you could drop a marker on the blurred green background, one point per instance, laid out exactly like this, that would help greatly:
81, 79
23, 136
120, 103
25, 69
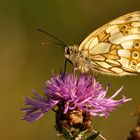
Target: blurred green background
25, 64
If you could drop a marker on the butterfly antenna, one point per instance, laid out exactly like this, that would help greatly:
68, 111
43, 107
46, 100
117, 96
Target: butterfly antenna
62, 43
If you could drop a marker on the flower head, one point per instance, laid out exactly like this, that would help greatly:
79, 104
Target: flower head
69, 93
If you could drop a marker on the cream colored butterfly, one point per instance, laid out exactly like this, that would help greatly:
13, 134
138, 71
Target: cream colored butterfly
112, 49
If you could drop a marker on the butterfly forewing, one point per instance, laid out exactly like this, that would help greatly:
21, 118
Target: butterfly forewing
114, 48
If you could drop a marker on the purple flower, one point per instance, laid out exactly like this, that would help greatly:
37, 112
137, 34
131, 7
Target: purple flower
71, 92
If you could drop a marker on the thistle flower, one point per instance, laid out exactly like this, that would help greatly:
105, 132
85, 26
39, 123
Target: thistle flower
77, 99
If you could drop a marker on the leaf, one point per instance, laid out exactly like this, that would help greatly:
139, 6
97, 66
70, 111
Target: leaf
66, 132
94, 136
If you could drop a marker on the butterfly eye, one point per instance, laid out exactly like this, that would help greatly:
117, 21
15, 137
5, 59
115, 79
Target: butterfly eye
67, 51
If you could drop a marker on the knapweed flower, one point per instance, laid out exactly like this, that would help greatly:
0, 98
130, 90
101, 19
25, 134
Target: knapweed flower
77, 99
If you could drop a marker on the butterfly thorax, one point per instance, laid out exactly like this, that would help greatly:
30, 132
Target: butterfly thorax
73, 54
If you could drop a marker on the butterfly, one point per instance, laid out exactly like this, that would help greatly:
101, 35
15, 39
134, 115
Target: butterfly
113, 49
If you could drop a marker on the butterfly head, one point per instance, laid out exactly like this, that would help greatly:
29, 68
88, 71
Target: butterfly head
75, 57
71, 52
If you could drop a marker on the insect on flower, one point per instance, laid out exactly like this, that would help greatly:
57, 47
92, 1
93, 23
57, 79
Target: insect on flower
113, 49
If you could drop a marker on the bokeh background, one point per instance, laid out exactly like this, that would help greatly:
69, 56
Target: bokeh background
25, 64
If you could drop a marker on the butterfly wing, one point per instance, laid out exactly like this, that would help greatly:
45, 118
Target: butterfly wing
114, 48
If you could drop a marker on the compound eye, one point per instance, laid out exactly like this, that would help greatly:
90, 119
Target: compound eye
67, 51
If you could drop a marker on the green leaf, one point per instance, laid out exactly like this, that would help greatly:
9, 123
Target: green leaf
66, 132
94, 136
